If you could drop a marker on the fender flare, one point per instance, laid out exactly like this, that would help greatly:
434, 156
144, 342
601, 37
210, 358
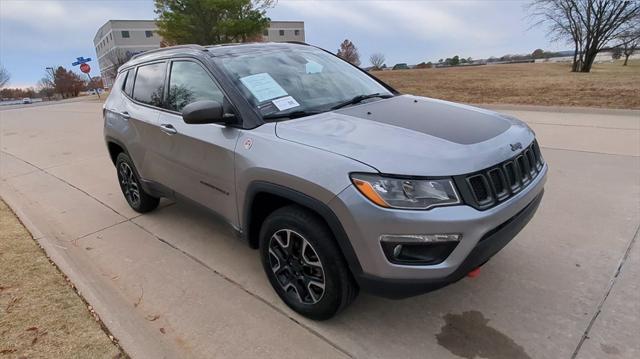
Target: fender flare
110, 139
313, 204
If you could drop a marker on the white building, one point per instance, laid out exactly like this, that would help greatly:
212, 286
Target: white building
117, 40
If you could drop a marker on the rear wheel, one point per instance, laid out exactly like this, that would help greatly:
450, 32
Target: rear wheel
303, 263
133, 192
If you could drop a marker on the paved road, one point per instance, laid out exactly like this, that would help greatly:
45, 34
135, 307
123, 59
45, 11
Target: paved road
177, 283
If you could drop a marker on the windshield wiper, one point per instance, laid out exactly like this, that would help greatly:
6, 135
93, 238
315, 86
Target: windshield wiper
293, 114
359, 99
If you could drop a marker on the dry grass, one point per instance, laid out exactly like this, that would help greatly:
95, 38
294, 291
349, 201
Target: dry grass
551, 84
41, 316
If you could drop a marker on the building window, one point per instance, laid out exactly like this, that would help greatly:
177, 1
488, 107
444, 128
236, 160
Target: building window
281, 32
148, 33
296, 32
125, 34
265, 33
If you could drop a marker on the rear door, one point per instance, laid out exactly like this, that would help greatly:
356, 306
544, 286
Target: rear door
144, 88
143, 107
198, 159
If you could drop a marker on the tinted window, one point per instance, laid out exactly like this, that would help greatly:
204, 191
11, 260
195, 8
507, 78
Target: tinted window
149, 84
148, 33
281, 32
125, 34
189, 82
120, 80
128, 82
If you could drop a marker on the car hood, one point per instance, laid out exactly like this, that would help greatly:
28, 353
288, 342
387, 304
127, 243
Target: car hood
410, 135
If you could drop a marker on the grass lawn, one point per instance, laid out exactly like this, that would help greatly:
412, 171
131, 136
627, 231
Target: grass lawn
608, 85
40, 314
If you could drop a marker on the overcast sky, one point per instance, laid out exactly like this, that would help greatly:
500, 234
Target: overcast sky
39, 33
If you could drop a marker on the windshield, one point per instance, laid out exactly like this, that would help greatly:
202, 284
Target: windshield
298, 80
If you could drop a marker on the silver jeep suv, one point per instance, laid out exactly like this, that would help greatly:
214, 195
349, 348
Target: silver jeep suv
342, 183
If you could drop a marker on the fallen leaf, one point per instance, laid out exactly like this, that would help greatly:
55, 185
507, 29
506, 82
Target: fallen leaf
35, 339
8, 351
152, 318
12, 302
136, 304
32, 329
162, 331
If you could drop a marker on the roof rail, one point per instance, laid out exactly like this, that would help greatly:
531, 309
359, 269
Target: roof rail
188, 46
297, 42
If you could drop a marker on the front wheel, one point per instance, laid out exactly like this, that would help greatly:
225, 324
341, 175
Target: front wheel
304, 264
139, 200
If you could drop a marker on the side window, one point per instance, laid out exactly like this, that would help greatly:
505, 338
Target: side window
128, 82
188, 83
149, 84
120, 80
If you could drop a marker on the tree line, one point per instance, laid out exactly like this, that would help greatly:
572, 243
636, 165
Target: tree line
58, 82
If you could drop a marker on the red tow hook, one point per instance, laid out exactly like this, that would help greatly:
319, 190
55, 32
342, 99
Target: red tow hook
474, 273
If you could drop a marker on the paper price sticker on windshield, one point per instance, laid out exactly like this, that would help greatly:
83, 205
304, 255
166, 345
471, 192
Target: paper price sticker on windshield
263, 86
285, 103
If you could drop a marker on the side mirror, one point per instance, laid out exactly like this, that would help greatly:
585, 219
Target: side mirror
206, 111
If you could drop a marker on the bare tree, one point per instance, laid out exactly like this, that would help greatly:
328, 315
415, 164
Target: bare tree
629, 41
45, 88
4, 76
377, 60
349, 52
115, 59
589, 24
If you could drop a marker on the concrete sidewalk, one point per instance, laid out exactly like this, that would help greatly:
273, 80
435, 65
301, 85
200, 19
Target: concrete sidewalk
177, 283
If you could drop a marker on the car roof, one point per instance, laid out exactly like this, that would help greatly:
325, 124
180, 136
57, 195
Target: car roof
213, 50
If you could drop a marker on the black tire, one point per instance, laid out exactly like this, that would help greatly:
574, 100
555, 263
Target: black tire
133, 192
301, 271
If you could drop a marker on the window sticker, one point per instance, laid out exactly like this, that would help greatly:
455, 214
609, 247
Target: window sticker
263, 86
313, 67
285, 103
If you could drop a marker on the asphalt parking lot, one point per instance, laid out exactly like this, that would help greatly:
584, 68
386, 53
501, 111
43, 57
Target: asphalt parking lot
177, 283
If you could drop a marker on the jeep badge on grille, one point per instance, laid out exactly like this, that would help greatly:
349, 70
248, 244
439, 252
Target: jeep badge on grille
516, 146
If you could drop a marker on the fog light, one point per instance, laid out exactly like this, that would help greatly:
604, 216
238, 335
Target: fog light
418, 249
397, 250
420, 238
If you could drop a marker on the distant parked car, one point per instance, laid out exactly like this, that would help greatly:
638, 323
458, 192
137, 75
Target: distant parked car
26, 100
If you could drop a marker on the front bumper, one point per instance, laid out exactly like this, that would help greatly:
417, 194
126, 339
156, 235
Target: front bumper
484, 233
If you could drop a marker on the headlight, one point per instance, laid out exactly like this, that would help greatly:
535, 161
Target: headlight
406, 193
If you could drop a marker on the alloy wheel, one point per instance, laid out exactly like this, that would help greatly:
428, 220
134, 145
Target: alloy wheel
129, 184
297, 267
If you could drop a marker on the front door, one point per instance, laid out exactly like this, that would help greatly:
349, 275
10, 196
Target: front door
197, 160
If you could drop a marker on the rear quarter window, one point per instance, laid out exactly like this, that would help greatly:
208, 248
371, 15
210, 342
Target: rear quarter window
127, 86
149, 84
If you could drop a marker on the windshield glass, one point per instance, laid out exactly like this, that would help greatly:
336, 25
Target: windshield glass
301, 80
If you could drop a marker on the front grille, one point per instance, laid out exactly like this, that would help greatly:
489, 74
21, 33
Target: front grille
487, 188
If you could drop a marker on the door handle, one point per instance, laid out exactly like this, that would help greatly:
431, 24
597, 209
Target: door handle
168, 129
125, 115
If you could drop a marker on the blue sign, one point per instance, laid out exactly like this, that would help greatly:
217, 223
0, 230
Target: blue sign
80, 60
